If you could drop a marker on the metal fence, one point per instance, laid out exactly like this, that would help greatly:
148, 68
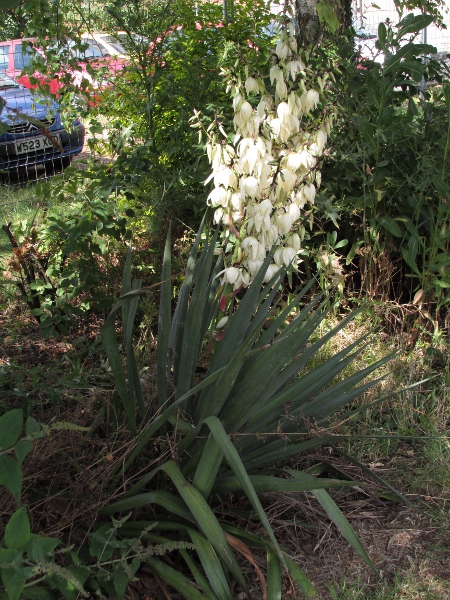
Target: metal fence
367, 16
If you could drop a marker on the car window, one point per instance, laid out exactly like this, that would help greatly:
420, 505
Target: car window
22, 57
6, 82
92, 51
120, 49
4, 57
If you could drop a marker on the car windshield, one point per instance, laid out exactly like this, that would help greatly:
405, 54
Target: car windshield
6, 82
92, 51
115, 43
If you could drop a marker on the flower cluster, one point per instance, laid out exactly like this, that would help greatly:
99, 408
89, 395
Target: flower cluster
265, 178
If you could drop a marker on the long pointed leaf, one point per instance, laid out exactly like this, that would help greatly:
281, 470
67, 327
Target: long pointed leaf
201, 580
269, 484
109, 339
211, 565
175, 579
192, 334
273, 576
300, 579
179, 316
335, 514
164, 499
208, 467
164, 322
205, 518
238, 468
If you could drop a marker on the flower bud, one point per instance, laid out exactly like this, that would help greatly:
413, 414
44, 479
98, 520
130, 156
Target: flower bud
223, 321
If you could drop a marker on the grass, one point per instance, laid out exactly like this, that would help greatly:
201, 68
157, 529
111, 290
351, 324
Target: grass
411, 585
17, 202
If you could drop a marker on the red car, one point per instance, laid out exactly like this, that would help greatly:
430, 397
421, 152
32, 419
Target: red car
16, 55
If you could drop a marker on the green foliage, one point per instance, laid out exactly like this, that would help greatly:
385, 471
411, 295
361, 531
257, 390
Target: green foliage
389, 165
62, 262
14, 448
252, 411
175, 52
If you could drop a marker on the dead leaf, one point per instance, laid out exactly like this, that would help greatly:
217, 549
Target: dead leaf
245, 551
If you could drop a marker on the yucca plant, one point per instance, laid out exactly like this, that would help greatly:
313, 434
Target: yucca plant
232, 430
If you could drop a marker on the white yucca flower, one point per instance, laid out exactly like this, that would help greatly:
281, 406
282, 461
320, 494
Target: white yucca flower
231, 275
282, 50
239, 121
283, 111
253, 157
237, 102
295, 67
251, 85
246, 111
228, 154
262, 147
254, 266
284, 256
225, 177
274, 73
218, 215
251, 247
294, 212
312, 100
295, 104
218, 197
294, 161
321, 139
300, 199
249, 186
237, 216
271, 271
284, 223
287, 179
310, 192
281, 89
294, 241
244, 145
275, 125
236, 202
266, 207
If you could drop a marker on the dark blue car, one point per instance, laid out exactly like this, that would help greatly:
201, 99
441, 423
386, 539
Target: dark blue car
31, 133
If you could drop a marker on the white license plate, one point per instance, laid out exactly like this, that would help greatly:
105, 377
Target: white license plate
35, 144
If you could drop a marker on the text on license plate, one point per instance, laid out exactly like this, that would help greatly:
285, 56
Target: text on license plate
35, 144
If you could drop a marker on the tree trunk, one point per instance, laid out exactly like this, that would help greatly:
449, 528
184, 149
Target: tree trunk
310, 29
